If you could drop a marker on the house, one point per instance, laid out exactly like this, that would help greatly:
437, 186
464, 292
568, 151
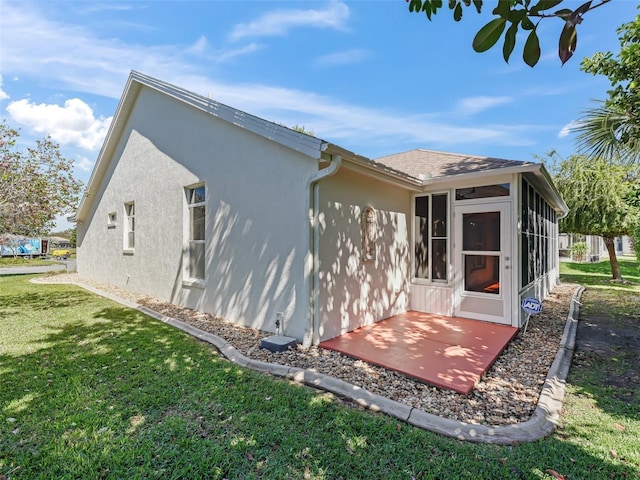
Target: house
594, 247
205, 206
60, 242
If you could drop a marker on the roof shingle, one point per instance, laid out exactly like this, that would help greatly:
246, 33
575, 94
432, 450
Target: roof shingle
423, 164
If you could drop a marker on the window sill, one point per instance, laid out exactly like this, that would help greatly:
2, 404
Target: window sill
429, 283
128, 251
193, 283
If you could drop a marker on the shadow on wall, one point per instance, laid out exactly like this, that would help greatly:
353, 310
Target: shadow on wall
251, 275
356, 290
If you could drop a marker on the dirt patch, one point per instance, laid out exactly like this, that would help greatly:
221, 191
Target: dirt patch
612, 340
606, 335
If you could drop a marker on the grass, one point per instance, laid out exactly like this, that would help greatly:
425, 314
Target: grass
25, 262
91, 390
604, 385
605, 297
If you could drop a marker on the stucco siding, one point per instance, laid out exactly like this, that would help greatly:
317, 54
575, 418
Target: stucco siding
257, 200
354, 292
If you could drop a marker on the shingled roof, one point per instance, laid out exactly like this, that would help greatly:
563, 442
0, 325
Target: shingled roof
424, 164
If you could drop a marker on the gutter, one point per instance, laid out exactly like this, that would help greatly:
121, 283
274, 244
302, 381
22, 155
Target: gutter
312, 336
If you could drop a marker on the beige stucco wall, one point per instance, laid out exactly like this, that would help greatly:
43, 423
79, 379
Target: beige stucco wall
257, 216
353, 292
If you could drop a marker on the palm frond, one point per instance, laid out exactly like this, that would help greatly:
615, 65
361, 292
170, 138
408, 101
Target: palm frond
605, 132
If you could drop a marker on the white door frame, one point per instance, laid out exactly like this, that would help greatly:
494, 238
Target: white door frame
491, 307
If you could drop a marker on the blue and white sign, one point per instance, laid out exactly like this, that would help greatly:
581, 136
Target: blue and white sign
531, 305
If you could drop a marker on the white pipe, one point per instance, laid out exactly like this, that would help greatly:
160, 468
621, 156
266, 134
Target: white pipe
314, 239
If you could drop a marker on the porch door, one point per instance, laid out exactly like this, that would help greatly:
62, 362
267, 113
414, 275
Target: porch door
482, 262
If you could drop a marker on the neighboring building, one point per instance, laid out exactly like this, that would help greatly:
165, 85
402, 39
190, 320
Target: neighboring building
199, 204
60, 242
596, 249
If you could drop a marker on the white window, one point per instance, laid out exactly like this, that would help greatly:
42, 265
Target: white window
431, 237
111, 220
197, 216
130, 226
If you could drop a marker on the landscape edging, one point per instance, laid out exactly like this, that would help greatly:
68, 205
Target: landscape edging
541, 424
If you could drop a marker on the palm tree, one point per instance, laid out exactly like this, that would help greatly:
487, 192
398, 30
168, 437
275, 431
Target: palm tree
609, 133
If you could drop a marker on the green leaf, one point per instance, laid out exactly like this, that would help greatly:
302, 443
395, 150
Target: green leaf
457, 13
502, 8
527, 24
415, 5
563, 13
478, 5
488, 35
531, 53
568, 42
543, 5
516, 16
509, 41
452, 4
426, 8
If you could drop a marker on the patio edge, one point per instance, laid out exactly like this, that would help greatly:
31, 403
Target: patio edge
542, 423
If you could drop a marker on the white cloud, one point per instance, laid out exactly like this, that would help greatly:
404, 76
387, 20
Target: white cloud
73, 123
199, 46
84, 164
568, 129
70, 56
346, 57
3, 94
228, 54
473, 105
332, 120
279, 22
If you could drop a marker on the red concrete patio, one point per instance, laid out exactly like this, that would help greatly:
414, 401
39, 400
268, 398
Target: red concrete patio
448, 352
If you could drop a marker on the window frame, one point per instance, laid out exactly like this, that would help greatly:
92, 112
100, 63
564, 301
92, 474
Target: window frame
431, 239
191, 205
129, 236
112, 220
538, 235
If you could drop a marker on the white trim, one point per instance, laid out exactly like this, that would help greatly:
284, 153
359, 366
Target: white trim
187, 279
429, 281
128, 217
193, 283
506, 265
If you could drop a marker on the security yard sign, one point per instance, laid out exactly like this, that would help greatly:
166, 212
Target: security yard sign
531, 306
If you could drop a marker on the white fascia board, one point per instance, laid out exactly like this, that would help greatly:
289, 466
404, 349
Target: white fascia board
545, 183
537, 170
110, 142
365, 166
300, 142
429, 181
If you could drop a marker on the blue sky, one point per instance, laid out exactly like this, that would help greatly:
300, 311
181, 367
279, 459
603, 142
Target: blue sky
367, 75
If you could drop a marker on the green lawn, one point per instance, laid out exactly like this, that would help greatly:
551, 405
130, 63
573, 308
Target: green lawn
25, 262
91, 390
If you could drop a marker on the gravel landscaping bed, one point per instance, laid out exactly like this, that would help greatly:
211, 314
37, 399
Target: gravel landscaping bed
507, 394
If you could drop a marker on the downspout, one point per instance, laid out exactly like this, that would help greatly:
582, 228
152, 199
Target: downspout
312, 337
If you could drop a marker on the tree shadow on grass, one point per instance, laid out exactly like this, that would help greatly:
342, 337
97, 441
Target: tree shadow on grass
599, 273
107, 392
35, 301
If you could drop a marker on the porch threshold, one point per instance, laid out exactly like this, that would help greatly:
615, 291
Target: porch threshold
448, 352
